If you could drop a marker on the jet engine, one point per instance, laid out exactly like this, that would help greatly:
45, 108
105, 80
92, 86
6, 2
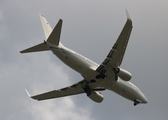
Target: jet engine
96, 96
124, 74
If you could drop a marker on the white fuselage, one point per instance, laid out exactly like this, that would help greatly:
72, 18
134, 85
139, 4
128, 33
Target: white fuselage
87, 69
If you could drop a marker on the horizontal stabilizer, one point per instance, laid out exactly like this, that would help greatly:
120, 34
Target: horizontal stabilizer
54, 37
36, 48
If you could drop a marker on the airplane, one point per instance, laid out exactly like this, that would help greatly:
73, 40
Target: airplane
106, 76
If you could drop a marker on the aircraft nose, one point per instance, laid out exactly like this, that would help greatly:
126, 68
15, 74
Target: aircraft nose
144, 99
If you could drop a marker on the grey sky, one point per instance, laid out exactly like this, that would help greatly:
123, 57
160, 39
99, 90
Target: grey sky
84, 23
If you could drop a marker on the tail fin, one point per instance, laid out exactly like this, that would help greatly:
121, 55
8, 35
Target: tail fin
46, 26
52, 37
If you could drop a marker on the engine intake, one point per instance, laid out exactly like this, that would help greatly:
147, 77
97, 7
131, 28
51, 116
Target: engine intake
96, 96
124, 74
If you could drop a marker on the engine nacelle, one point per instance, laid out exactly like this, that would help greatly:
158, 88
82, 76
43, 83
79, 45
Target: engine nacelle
124, 75
96, 96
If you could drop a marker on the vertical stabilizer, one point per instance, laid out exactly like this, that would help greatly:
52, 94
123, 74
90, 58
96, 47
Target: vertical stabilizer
52, 37
46, 26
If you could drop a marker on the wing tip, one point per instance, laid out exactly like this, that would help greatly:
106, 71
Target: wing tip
28, 93
128, 16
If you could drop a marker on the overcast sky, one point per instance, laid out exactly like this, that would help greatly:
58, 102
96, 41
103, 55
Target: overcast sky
90, 27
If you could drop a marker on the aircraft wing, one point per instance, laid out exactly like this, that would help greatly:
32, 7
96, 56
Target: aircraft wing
67, 91
116, 54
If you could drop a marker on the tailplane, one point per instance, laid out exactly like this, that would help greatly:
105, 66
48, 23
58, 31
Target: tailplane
52, 36
36, 48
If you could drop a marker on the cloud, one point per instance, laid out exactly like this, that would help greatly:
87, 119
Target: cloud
55, 78
64, 109
61, 109
84, 24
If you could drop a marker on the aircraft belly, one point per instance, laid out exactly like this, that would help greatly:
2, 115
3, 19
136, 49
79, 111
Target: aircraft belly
87, 70
121, 89
74, 62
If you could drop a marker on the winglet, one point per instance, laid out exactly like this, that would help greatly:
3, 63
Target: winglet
128, 16
28, 93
